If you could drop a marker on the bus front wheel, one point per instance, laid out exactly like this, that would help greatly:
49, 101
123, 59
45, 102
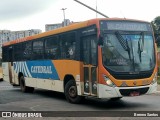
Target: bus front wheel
23, 86
71, 92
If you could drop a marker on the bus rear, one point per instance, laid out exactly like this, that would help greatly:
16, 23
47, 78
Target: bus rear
126, 58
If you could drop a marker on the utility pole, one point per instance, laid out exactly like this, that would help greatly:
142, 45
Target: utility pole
91, 8
64, 15
96, 9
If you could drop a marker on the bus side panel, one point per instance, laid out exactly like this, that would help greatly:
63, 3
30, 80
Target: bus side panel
55, 85
65, 67
47, 84
70, 67
40, 74
32, 82
49, 74
5, 68
8, 72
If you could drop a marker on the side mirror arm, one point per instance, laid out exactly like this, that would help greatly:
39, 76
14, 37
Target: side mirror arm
100, 41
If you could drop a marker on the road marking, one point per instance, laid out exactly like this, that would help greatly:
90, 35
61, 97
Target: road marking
32, 108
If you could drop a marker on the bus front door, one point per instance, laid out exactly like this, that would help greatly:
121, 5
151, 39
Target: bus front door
89, 67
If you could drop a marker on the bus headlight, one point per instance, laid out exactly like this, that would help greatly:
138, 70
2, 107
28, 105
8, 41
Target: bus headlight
108, 81
154, 79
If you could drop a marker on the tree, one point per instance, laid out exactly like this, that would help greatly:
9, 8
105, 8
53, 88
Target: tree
156, 28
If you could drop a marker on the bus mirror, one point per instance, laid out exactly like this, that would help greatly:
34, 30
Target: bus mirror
158, 59
100, 41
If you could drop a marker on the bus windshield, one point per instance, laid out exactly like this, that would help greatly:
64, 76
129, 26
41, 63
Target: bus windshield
128, 51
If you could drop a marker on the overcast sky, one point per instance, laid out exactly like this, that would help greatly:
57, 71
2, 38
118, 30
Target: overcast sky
34, 14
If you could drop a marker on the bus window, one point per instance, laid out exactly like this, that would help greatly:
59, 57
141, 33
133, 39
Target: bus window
5, 55
38, 51
52, 48
93, 51
27, 50
90, 50
67, 45
18, 52
86, 51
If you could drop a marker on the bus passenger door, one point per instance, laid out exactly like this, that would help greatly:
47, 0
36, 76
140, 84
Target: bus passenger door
89, 56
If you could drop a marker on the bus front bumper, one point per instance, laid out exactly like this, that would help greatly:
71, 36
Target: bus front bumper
113, 92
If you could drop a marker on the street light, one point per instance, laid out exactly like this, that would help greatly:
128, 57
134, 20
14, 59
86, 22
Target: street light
64, 15
96, 8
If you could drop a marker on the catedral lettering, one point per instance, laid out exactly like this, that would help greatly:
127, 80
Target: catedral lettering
104, 57
41, 69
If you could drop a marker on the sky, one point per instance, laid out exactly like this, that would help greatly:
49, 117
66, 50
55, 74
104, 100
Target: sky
34, 14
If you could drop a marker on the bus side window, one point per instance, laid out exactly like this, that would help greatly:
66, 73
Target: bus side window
67, 44
5, 55
38, 49
93, 50
63, 46
89, 48
27, 50
52, 48
17, 52
71, 50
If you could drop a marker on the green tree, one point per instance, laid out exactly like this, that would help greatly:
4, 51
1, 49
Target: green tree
156, 26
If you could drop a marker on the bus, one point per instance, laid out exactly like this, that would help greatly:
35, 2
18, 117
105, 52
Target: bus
105, 58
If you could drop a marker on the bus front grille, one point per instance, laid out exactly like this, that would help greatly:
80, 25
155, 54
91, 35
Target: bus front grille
128, 92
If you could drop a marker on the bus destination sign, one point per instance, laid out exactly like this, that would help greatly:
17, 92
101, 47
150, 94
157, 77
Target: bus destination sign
125, 26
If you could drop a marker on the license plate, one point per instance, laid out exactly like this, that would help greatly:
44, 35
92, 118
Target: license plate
134, 93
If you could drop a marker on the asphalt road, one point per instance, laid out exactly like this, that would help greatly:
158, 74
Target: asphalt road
12, 99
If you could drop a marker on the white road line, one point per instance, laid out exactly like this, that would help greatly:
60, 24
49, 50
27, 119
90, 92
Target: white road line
32, 108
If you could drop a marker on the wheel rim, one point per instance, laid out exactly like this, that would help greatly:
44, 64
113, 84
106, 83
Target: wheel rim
72, 91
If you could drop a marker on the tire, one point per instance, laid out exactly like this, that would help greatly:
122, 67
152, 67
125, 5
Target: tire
115, 99
23, 86
14, 85
1, 79
71, 92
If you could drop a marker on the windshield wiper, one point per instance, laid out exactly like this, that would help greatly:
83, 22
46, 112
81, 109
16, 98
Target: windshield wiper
124, 43
121, 40
140, 45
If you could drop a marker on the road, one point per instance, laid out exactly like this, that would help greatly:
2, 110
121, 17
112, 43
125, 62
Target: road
12, 99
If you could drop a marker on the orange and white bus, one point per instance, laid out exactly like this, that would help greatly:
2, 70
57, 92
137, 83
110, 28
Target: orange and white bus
101, 58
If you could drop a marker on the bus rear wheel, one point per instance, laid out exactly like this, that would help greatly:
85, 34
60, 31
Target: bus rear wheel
71, 92
23, 86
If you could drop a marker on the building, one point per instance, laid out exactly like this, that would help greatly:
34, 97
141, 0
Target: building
66, 22
49, 27
7, 35
24, 33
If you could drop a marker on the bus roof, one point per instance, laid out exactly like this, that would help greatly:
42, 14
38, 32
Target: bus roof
65, 29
